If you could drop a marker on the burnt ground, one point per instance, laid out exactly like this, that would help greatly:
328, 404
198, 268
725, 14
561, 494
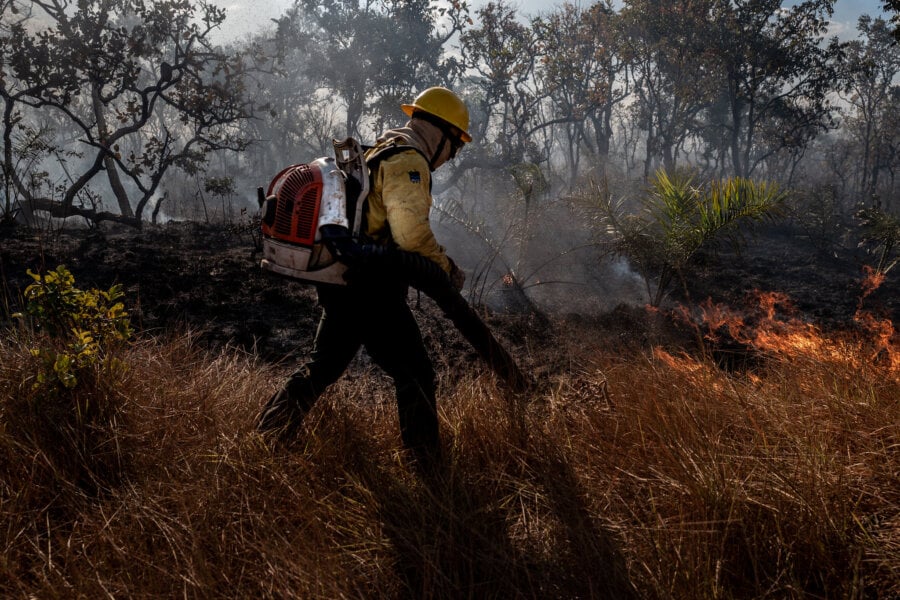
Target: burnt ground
823, 279
206, 278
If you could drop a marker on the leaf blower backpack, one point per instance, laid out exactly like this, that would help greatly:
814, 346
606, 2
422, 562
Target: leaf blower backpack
311, 211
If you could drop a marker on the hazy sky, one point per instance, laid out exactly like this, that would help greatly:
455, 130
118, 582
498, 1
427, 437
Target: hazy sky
251, 15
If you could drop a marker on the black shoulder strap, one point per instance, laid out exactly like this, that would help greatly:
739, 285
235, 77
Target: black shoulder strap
390, 148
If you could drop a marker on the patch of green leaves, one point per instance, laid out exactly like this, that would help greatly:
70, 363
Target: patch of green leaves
80, 328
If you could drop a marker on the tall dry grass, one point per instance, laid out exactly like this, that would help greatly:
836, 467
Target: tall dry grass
627, 475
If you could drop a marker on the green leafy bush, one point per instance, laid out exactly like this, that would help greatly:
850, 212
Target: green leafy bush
81, 327
67, 405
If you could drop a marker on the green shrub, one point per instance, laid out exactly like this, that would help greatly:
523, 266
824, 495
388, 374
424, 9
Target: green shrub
881, 237
66, 405
81, 327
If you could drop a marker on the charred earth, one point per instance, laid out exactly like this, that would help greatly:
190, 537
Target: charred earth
206, 278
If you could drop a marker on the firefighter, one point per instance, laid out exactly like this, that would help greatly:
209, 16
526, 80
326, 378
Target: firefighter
372, 310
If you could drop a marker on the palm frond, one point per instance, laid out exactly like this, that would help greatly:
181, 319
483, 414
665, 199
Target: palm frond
678, 218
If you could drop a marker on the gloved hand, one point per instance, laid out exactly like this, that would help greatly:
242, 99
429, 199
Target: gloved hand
457, 276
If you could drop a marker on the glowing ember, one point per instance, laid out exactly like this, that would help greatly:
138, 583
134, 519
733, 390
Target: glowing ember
683, 363
881, 331
763, 329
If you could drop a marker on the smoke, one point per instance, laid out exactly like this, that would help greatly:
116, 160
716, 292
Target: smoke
544, 253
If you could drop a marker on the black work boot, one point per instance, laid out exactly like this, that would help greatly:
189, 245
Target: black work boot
419, 425
281, 417
428, 462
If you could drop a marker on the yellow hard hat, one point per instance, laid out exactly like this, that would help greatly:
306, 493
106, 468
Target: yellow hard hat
445, 105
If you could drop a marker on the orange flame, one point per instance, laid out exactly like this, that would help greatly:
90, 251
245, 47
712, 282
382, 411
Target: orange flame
871, 282
769, 302
717, 316
881, 331
683, 363
765, 330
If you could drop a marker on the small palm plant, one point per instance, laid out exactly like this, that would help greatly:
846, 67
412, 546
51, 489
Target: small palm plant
881, 237
677, 219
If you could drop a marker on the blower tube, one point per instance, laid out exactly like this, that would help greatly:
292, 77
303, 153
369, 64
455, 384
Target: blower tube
426, 276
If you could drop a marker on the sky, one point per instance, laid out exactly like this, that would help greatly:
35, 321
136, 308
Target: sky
245, 16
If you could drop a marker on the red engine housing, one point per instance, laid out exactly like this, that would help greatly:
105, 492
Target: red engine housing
297, 191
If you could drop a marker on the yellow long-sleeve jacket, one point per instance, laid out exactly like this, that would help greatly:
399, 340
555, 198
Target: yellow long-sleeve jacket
399, 204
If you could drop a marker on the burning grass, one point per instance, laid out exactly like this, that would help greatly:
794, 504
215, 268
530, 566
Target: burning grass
628, 474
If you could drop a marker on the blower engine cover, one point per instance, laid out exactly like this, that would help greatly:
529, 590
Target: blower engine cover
301, 200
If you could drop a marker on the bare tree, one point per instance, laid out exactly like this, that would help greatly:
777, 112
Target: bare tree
871, 69
502, 56
585, 74
771, 62
137, 81
372, 56
672, 87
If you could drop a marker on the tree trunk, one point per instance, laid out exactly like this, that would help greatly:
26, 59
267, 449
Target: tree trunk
109, 163
11, 186
648, 152
602, 134
736, 138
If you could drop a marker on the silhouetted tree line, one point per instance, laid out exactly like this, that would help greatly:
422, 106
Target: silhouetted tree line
112, 106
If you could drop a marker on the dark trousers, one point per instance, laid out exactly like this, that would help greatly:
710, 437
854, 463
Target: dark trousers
378, 318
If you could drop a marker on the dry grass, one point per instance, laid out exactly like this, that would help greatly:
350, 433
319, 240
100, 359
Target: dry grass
628, 475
